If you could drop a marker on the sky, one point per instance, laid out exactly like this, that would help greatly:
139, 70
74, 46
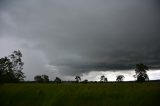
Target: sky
88, 38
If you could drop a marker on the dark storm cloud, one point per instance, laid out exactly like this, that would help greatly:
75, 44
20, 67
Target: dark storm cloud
79, 36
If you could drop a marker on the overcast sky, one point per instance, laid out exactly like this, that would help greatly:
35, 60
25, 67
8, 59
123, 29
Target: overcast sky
81, 37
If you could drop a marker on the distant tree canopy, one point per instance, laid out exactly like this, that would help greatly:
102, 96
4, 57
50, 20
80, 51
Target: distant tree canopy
120, 78
41, 78
38, 78
11, 68
103, 79
57, 80
85, 81
78, 78
141, 72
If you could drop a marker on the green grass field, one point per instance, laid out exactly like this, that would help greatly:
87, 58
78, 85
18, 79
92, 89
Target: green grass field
98, 94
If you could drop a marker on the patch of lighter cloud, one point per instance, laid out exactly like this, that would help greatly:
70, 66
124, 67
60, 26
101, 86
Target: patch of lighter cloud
112, 75
154, 74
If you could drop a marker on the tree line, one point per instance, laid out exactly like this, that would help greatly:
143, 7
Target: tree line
11, 71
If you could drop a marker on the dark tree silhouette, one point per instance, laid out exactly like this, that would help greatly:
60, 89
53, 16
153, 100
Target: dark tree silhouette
45, 78
103, 79
78, 78
6, 72
142, 78
85, 81
38, 78
41, 78
11, 68
58, 80
141, 72
120, 78
17, 65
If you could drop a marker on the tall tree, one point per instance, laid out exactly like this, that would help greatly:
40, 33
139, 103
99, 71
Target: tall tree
6, 72
11, 68
141, 72
17, 65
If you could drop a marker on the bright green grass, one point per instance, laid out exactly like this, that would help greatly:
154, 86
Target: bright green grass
99, 94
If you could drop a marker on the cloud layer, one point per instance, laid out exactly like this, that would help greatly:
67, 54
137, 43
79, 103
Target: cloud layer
79, 36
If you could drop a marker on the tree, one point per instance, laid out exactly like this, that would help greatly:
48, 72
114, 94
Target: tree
85, 81
78, 78
17, 65
6, 72
11, 68
103, 79
141, 72
41, 78
45, 78
58, 80
142, 78
120, 78
38, 78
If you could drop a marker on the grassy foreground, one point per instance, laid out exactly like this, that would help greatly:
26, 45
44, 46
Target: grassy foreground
99, 94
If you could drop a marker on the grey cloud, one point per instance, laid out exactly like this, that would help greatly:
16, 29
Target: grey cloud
81, 36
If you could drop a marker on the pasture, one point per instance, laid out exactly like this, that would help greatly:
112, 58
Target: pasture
78, 94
